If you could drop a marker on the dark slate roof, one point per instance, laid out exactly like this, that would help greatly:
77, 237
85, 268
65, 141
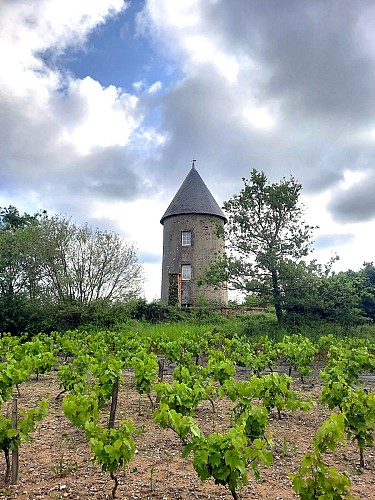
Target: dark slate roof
193, 197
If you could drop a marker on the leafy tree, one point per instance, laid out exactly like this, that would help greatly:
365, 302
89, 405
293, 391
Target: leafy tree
368, 295
10, 218
340, 298
53, 269
83, 265
313, 292
17, 267
265, 235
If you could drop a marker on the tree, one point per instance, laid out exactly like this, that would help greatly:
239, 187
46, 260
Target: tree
10, 218
368, 296
82, 265
314, 291
265, 237
51, 267
16, 266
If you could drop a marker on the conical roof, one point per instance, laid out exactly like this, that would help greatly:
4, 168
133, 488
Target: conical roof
193, 197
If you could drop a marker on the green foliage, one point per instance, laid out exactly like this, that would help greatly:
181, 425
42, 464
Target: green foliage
299, 352
173, 299
239, 350
368, 297
153, 312
74, 376
225, 457
43, 362
183, 425
359, 412
198, 378
181, 397
145, 370
81, 408
345, 363
106, 372
112, 448
255, 420
52, 272
219, 367
11, 439
12, 372
314, 479
11, 219
273, 390
340, 298
265, 355
335, 389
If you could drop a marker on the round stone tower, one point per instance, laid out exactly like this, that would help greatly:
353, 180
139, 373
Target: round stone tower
190, 244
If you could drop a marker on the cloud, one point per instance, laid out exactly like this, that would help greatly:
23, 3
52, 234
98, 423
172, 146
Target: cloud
62, 138
107, 116
307, 66
356, 203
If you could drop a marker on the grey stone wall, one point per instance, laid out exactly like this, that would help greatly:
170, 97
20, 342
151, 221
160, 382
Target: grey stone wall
203, 250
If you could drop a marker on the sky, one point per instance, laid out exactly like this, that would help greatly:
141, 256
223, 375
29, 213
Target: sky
105, 103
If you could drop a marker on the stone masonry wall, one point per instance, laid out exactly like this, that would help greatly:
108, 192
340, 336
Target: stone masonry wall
203, 250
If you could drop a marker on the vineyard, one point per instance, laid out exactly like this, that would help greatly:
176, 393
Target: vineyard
160, 413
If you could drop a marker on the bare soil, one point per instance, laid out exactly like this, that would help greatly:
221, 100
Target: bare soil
57, 464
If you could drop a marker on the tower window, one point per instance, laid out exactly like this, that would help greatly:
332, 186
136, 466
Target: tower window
186, 272
186, 238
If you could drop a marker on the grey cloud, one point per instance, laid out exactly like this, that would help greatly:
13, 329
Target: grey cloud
312, 66
312, 54
201, 119
109, 173
355, 204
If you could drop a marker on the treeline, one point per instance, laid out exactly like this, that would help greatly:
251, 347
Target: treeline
55, 274
346, 297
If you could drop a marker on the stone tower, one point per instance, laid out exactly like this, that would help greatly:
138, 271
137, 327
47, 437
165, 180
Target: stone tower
190, 244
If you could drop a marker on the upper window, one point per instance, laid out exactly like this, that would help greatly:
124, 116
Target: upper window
186, 238
186, 272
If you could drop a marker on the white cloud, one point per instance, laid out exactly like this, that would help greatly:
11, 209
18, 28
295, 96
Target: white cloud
259, 117
28, 28
184, 32
110, 116
49, 118
351, 178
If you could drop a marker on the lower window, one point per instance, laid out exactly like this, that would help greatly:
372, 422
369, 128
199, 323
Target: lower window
186, 272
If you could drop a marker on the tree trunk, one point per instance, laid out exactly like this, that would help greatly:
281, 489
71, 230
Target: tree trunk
277, 296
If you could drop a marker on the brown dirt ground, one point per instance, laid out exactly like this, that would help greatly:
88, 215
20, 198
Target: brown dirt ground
56, 464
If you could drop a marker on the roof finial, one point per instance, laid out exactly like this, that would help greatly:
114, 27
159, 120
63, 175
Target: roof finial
193, 164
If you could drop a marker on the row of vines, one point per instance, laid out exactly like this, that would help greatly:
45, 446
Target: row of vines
91, 367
